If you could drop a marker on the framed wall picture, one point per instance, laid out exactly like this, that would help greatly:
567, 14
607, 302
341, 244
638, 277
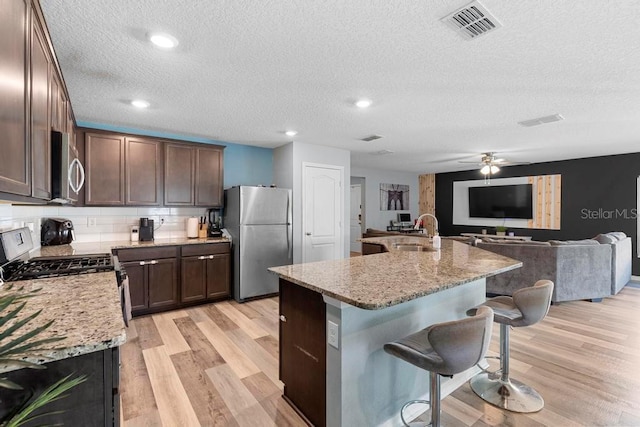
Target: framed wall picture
394, 197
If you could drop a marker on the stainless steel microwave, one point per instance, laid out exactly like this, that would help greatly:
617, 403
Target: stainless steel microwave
67, 172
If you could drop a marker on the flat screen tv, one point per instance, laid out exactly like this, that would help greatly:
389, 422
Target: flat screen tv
501, 201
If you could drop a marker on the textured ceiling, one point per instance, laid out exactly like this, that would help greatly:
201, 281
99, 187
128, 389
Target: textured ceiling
245, 71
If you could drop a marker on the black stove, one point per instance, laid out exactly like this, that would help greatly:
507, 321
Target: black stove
44, 267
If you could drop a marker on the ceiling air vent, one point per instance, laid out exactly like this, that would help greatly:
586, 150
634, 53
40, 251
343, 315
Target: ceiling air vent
371, 138
472, 21
381, 152
541, 120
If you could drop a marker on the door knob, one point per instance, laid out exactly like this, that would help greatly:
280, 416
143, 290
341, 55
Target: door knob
282, 318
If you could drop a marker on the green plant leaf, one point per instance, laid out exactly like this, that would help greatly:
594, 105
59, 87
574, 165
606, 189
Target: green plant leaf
33, 346
9, 331
10, 347
51, 394
6, 301
5, 383
8, 317
14, 363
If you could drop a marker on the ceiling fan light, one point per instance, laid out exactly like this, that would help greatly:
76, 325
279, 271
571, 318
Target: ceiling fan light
363, 103
163, 40
494, 169
485, 170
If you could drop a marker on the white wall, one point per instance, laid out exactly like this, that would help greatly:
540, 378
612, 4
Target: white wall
373, 216
290, 158
111, 224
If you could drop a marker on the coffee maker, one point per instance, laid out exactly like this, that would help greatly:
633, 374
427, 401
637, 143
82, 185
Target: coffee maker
145, 234
215, 223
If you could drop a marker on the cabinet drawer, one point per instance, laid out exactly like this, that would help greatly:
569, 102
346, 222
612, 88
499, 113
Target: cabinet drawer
144, 254
205, 249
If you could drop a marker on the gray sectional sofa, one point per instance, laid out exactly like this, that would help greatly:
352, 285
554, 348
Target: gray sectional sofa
583, 269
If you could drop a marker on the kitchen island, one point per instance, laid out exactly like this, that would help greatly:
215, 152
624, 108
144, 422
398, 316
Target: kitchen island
337, 315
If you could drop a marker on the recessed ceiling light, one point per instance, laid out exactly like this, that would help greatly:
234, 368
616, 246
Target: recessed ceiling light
163, 40
363, 103
291, 133
139, 103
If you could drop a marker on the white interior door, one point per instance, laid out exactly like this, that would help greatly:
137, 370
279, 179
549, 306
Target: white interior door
322, 234
355, 218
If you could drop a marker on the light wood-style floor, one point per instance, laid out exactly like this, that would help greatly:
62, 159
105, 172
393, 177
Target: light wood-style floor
218, 365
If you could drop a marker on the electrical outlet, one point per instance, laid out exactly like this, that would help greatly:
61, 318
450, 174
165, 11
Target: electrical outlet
332, 333
92, 222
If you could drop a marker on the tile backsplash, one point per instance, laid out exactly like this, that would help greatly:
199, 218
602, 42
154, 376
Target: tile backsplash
99, 224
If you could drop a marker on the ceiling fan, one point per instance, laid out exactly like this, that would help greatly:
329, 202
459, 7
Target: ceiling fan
490, 164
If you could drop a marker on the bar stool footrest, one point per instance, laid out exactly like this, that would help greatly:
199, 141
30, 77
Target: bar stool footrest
406, 405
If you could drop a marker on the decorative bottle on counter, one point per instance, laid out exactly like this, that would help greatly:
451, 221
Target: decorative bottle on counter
436, 241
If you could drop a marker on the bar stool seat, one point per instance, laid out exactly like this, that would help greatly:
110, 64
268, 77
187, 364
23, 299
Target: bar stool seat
444, 349
526, 307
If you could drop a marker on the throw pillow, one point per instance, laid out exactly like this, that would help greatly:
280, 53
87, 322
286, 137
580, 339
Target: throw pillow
617, 235
605, 239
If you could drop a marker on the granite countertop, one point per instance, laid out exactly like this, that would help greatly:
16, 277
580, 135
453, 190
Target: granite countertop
85, 309
86, 248
386, 279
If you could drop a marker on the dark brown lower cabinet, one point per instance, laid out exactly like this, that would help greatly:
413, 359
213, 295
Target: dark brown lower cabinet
205, 272
167, 277
163, 283
153, 278
372, 248
303, 350
153, 284
95, 402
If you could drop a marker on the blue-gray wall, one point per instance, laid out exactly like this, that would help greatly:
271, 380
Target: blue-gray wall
243, 164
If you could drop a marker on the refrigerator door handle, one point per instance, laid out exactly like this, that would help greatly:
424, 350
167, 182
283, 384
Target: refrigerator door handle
289, 229
289, 242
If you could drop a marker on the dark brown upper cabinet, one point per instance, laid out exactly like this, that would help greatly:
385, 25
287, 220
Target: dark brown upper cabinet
122, 170
15, 165
104, 169
179, 180
193, 175
143, 172
34, 103
40, 117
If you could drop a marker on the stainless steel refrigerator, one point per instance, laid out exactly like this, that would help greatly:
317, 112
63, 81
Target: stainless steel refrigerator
259, 222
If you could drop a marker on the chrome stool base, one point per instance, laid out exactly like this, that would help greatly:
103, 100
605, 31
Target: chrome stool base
511, 395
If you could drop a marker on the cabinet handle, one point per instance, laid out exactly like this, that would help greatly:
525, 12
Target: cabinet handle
210, 256
153, 262
308, 234
202, 257
283, 318
142, 263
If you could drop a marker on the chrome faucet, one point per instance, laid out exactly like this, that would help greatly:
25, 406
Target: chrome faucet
436, 238
419, 220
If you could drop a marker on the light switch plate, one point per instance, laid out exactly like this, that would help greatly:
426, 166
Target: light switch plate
332, 333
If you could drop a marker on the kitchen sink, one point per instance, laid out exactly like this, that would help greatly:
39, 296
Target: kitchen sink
413, 247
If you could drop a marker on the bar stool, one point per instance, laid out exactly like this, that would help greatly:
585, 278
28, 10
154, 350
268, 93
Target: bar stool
444, 349
526, 307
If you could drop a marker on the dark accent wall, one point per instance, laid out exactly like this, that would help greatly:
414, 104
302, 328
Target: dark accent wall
598, 195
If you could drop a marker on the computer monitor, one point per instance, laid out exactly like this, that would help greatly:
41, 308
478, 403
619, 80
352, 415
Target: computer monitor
404, 218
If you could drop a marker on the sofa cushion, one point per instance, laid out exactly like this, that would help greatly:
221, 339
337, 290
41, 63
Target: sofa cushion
617, 234
605, 239
573, 242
